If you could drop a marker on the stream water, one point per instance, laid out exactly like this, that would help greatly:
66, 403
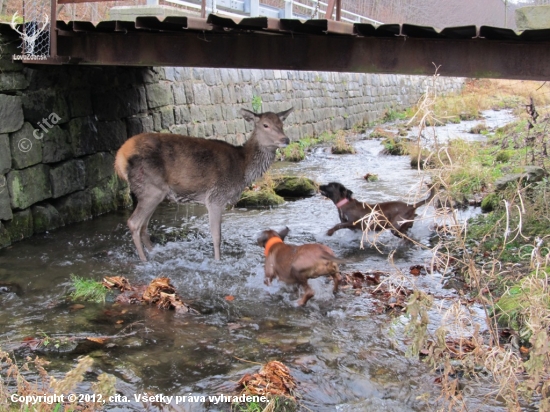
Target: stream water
345, 355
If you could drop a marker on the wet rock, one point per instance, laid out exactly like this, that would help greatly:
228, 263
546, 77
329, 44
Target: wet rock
4, 236
67, 178
26, 150
11, 113
5, 154
29, 186
104, 196
294, 187
80, 103
37, 106
56, 145
75, 207
5, 206
45, 217
98, 167
141, 124
259, 197
12, 81
122, 103
394, 146
83, 135
159, 95
20, 226
530, 174
11, 287
490, 202
111, 135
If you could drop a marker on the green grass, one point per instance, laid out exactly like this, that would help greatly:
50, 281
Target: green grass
88, 290
516, 300
296, 151
391, 115
257, 104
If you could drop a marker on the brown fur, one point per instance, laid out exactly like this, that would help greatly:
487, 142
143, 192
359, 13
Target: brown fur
127, 150
396, 215
294, 265
188, 169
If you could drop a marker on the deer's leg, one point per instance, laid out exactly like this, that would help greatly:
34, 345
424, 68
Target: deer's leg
144, 234
215, 219
143, 212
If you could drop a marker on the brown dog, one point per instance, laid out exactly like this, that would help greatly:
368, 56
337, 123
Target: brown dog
397, 216
294, 265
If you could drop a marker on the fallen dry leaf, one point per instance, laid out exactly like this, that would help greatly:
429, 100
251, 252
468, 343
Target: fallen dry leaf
118, 282
273, 379
524, 350
101, 341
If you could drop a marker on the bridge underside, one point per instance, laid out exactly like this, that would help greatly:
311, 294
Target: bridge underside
321, 45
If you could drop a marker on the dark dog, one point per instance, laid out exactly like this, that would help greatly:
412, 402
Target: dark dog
294, 265
397, 216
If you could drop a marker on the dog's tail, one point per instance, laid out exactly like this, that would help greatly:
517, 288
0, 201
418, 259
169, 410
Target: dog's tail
423, 202
332, 258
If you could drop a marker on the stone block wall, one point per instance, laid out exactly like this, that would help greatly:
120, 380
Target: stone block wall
60, 126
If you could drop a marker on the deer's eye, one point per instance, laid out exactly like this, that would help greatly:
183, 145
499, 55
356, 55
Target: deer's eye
266, 125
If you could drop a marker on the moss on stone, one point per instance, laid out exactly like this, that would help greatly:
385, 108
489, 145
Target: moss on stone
75, 207
104, 196
490, 202
45, 217
264, 197
394, 146
20, 226
4, 236
293, 186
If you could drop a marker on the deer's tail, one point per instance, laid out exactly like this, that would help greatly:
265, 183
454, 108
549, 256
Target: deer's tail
127, 150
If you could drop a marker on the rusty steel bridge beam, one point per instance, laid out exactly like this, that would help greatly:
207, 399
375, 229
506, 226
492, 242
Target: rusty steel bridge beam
475, 57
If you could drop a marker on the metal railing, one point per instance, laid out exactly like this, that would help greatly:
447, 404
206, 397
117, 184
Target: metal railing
253, 8
38, 29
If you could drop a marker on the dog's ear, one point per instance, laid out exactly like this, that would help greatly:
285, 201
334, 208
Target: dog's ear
345, 192
262, 239
284, 232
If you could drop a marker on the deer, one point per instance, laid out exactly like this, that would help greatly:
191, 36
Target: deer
159, 166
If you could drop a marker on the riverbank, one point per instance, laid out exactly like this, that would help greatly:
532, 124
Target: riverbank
498, 259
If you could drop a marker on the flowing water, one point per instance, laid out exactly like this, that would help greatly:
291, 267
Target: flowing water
345, 355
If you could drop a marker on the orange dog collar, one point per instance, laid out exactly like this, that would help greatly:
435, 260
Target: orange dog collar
272, 241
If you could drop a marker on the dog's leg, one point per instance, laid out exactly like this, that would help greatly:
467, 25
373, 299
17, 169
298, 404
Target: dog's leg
336, 279
269, 272
308, 294
343, 225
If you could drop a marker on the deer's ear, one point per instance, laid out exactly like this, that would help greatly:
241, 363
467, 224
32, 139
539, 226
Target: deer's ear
284, 115
249, 116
